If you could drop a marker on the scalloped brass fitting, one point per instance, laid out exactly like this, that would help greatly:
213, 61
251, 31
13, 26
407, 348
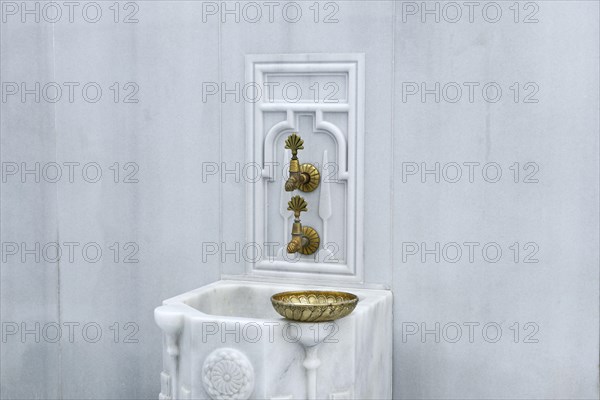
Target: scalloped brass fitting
305, 239
305, 177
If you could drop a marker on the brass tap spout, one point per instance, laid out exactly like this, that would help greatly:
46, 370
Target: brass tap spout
295, 245
295, 180
305, 177
305, 239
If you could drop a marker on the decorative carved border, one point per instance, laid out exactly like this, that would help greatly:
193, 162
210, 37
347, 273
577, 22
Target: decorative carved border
350, 149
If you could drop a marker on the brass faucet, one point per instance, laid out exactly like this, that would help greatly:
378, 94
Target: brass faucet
305, 239
304, 177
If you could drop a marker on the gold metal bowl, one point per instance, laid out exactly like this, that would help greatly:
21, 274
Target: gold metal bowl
313, 305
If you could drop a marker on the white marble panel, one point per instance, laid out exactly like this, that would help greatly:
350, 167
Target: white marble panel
29, 279
337, 27
555, 356
154, 219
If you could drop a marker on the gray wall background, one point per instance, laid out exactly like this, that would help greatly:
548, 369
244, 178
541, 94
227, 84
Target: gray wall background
171, 133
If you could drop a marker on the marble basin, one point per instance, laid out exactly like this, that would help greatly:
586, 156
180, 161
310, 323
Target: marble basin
225, 341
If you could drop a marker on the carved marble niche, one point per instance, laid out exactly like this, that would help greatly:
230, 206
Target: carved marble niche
320, 97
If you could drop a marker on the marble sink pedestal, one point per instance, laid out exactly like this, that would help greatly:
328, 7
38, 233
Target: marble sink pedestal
225, 341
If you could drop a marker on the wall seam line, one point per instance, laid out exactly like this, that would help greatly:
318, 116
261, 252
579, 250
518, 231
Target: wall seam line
393, 128
220, 79
58, 283
392, 178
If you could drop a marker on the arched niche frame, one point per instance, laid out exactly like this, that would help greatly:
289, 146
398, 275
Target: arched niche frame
308, 75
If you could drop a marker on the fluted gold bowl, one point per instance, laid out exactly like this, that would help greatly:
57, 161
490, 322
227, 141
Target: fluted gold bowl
313, 305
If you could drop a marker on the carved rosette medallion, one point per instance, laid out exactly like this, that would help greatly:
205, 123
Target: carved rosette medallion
228, 374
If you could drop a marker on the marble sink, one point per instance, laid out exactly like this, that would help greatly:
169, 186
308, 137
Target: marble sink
225, 341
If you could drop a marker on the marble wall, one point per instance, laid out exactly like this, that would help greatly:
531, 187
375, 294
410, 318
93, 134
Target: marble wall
495, 277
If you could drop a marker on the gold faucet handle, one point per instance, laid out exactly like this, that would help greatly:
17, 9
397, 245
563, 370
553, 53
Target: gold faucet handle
297, 204
304, 177
294, 143
305, 239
